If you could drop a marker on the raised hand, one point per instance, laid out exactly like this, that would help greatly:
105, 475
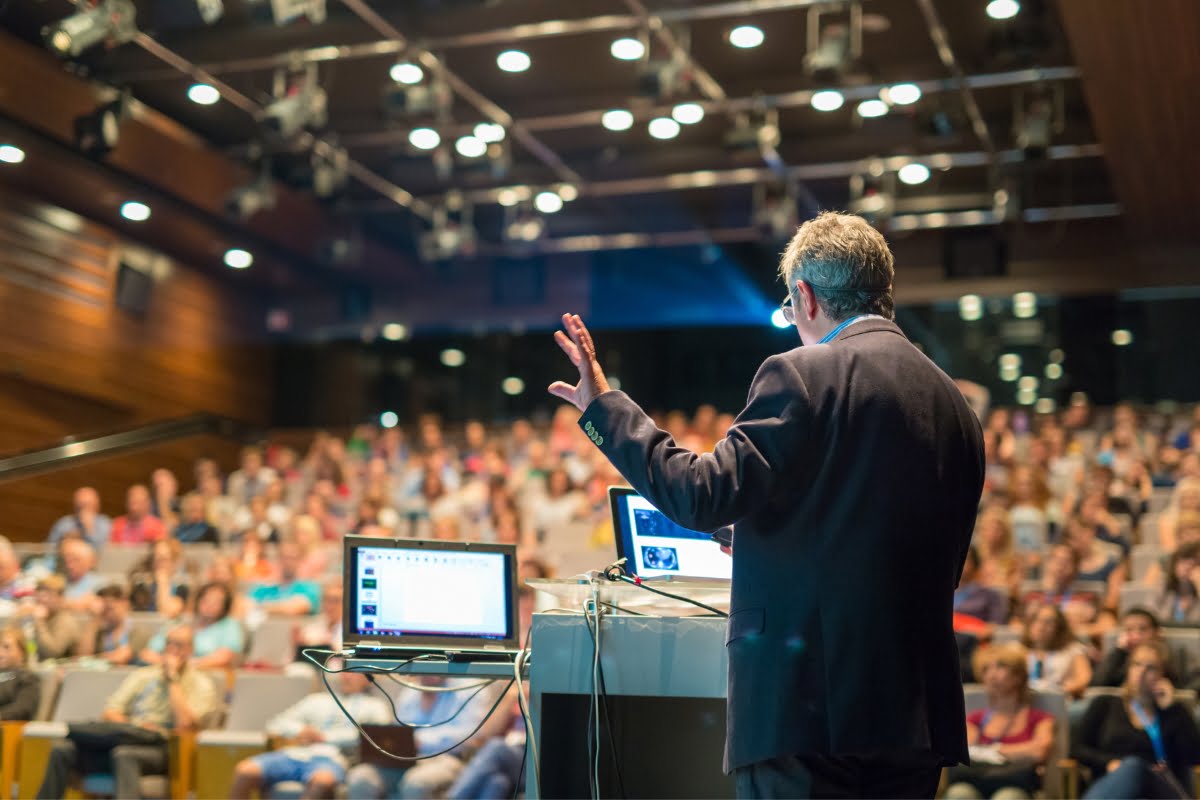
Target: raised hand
577, 344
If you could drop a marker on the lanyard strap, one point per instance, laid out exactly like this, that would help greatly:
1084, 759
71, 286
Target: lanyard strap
829, 337
1153, 729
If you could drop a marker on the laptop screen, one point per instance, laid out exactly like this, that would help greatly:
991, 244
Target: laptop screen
411, 591
654, 546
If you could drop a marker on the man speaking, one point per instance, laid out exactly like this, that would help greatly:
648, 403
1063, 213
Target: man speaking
852, 479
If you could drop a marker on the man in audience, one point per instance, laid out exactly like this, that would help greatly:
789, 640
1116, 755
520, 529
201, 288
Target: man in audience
78, 566
165, 501
54, 629
252, 478
1138, 626
138, 525
107, 634
159, 699
325, 741
326, 629
86, 521
13, 583
290, 597
193, 523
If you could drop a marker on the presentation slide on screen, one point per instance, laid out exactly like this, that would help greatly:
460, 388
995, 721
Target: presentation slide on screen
659, 547
413, 592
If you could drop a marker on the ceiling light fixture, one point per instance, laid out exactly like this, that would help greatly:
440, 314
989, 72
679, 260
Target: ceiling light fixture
627, 49
470, 146
970, 307
688, 113
236, 258
913, 174
872, 108
424, 138
663, 128
548, 202
1003, 9
135, 211
394, 332
11, 154
406, 73
453, 357
514, 61
828, 100
203, 95
901, 94
512, 386
746, 36
490, 132
617, 119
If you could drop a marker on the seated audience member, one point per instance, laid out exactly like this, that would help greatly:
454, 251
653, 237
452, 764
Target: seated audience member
1179, 602
1142, 743
159, 583
1029, 512
106, 634
20, 688
1138, 626
447, 528
78, 561
56, 630
291, 596
254, 520
86, 522
14, 584
138, 525
1187, 532
1057, 662
218, 639
164, 501
562, 503
1000, 567
251, 479
977, 601
306, 534
324, 739
1082, 608
193, 522
254, 564
326, 630
1186, 498
223, 569
1008, 730
166, 698
219, 509
445, 726
1098, 561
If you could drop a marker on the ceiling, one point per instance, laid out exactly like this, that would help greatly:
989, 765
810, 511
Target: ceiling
634, 191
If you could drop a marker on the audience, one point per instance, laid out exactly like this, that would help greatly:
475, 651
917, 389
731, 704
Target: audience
86, 521
193, 524
138, 525
55, 630
218, 638
1057, 662
1138, 627
292, 596
78, 561
1178, 602
107, 636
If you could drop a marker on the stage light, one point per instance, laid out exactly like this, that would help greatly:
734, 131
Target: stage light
663, 128
489, 132
11, 154
901, 94
1009, 361
1026, 397
1045, 405
1003, 9
304, 104
617, 119
1054, 371
513, 61
394, 332
548, 202
1027, 383
470, 146
777, 319
567, 192
1122, 337
913, 174
627, 49
406, 73
453, 357
746, 36
828, 100
512, 386
1024, 305
202, 94
98, 133
830, 58
424, 138
110, 19
236, 258
135, 211
388, 419
1057, 356
872, 108
688, 113
330, 172
970, 307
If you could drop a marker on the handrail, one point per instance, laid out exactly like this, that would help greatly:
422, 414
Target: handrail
71, 450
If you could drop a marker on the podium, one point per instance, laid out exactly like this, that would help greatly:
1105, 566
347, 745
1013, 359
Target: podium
664, 677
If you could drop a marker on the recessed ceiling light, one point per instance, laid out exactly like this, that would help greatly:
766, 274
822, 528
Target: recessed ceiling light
11, 154
424, 138
1122, 337
617, 119
548, 202
688, 113
1010, 361
453, 357
513, 61
236, 258
512, 386
470, 146
489, 132
508, 197
135, 211
1045, 405
902, 94
1054, 371
406, 73
872, 108
664, 128
828, 100
394, 331
1024, 305
1003, 9
970, 307
913, 174
568, 192
388, 419
746, 36
627, 49
203, 94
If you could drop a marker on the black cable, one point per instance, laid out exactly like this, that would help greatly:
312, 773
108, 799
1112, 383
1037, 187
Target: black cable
608, 721
623, 610
396, 715
616, 575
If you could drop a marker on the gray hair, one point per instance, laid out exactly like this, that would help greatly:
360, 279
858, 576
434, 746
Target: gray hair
846, 262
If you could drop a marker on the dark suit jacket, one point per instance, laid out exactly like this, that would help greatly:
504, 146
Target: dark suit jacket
852, 479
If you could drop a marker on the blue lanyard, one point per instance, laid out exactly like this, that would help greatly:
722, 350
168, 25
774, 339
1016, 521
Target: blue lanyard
829, 337
1153, 729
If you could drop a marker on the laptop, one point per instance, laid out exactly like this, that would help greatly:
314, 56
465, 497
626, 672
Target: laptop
654, 547
406, 598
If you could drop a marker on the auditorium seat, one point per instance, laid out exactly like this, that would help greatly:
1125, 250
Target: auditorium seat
119, 559
1137, 597
271, 643
1062, 773
1142, 558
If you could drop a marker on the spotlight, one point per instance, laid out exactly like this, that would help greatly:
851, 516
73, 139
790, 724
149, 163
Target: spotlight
110, 19
1009, 374
746, 36
756, 131
236, 258
11, 154
777, 319
688, 113
1122, 337
970, 307
617, 119
901, 94
1036, 123
508, 197
284, 11
627, 49
661, 79
512, 386
567, 192
548, 202
1054, 372
1057, 356
513, 61
394, 332
524, 226
389, 419
827, 100
913, 174
663, 128
203, 95
831, 56
302, 105
406, 73
453, 357
872, 108
1027, 397
489, 132
1003, 9
98, 133
424, 138
1024, 305
470, 146
135, 211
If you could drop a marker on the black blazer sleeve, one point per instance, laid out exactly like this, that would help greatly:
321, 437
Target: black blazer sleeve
26, 695
1088, 746
706, 491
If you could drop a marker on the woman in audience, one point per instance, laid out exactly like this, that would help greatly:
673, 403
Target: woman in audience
254, 563
1187, 532
999, 565
20, 688
159, 583
1179, 602
1057, 662
193, 524
1186, 498
1010, 740
314, 561
252, 520
218, 638
223, 569
1029, 513
1099, 562
561, 505
1142, 743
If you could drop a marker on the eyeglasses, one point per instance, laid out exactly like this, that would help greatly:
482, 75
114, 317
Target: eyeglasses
789, 311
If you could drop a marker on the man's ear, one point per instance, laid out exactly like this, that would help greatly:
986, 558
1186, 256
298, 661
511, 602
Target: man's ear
808, 301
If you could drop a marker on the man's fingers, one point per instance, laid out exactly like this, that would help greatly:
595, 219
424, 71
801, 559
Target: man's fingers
562, 390
585, 337
568, 347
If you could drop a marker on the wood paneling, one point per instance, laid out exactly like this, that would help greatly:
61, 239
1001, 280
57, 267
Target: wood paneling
1141, 67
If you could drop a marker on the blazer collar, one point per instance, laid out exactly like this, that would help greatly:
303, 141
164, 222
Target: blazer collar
870, 326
